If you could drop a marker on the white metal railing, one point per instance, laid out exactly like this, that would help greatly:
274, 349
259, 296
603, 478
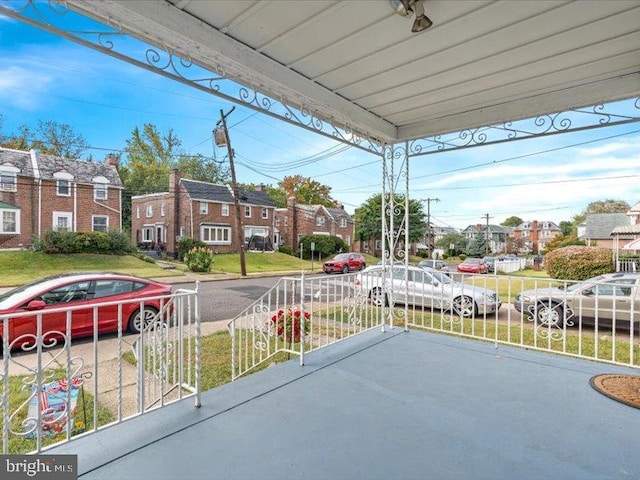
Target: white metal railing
299, 315
598, 320
58, 386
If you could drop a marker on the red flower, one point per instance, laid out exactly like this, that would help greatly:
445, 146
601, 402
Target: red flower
288, 324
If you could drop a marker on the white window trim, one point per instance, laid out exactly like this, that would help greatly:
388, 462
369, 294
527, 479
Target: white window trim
93, 223
17, 221
343, 223
101, 184
58, 185
137, 212
148, 229
204, 208
320, 221
247, 211
219, 237
7, 172
224, 209
265, 213
149, 211
67, 215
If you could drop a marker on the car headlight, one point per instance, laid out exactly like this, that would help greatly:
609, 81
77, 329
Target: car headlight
523, 299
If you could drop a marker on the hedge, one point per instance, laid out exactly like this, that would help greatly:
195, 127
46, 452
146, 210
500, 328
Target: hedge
578, 262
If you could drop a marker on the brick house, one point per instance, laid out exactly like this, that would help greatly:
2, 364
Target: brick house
200, 210
299, 220
40, 193
536, 234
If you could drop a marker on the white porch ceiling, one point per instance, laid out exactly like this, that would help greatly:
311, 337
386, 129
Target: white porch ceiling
357, 64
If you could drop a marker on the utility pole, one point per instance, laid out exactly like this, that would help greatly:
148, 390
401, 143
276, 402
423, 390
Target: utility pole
429, 237
234, 187
486, 234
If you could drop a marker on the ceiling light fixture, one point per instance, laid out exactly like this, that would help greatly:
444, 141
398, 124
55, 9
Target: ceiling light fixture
405, 7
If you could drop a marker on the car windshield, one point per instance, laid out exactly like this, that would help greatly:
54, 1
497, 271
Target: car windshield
341, 256
580, 285
441, 277
23, 288
473, 260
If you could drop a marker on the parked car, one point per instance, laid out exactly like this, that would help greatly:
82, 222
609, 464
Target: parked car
599, 299
425, 287
435, 264
80, 290
345, 263
473, 265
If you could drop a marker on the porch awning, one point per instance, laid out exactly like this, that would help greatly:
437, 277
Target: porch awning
8, 206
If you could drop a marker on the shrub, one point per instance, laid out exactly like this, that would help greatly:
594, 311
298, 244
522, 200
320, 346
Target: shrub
111, 243
325, 245
186, 244
198, 259
286, 249
578, 262
462, 257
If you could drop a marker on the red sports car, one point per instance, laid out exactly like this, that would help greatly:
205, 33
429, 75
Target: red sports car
473, 265
80, 292
345, 263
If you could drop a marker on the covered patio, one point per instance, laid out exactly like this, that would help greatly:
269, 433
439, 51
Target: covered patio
384, 405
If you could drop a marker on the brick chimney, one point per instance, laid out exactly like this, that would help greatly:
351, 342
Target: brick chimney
112, 159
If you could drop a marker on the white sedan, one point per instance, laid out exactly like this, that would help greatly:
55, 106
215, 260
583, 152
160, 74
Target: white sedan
426, 288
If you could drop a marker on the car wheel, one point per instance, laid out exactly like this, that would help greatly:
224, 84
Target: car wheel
136, 324
345, 269
549, 314
464, 306
363, 266
378, 297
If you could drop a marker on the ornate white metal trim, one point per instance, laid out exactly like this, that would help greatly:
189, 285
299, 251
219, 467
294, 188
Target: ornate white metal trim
50, 16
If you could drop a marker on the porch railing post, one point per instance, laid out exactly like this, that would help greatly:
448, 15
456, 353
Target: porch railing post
198, 346
301, 323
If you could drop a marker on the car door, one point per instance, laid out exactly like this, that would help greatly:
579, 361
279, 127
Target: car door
607, 302
108, 290
421, 288
69, 295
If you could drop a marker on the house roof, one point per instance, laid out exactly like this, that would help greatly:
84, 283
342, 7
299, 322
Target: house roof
8, 206
540, 223
601, 225
626, 229
46, 166
492, 229
223, 194
634, 209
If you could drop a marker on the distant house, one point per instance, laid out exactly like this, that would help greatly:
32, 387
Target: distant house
299, 220
627, 237
200, 210
40, 193
496, 234
597, 228
535, 234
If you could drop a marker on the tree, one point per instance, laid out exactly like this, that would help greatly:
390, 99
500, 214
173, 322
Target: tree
567, 228
49, 137
149, 160
561, 241
307, 191
458, 241
199, 167
368, 218
477, 245
512, 221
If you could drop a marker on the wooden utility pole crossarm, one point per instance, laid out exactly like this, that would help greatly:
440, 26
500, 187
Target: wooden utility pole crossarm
234, 187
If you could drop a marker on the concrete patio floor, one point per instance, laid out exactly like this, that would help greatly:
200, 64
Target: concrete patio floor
384, 406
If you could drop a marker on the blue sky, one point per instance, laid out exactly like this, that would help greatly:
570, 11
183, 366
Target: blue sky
44, 77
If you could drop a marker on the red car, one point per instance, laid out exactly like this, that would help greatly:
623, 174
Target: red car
80, 290
345, 263
473, 265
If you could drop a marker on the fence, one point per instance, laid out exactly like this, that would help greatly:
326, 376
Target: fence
299, 315
598, 320
55, 386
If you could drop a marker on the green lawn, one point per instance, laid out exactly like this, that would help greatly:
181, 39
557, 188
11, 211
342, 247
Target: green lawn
261, 262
